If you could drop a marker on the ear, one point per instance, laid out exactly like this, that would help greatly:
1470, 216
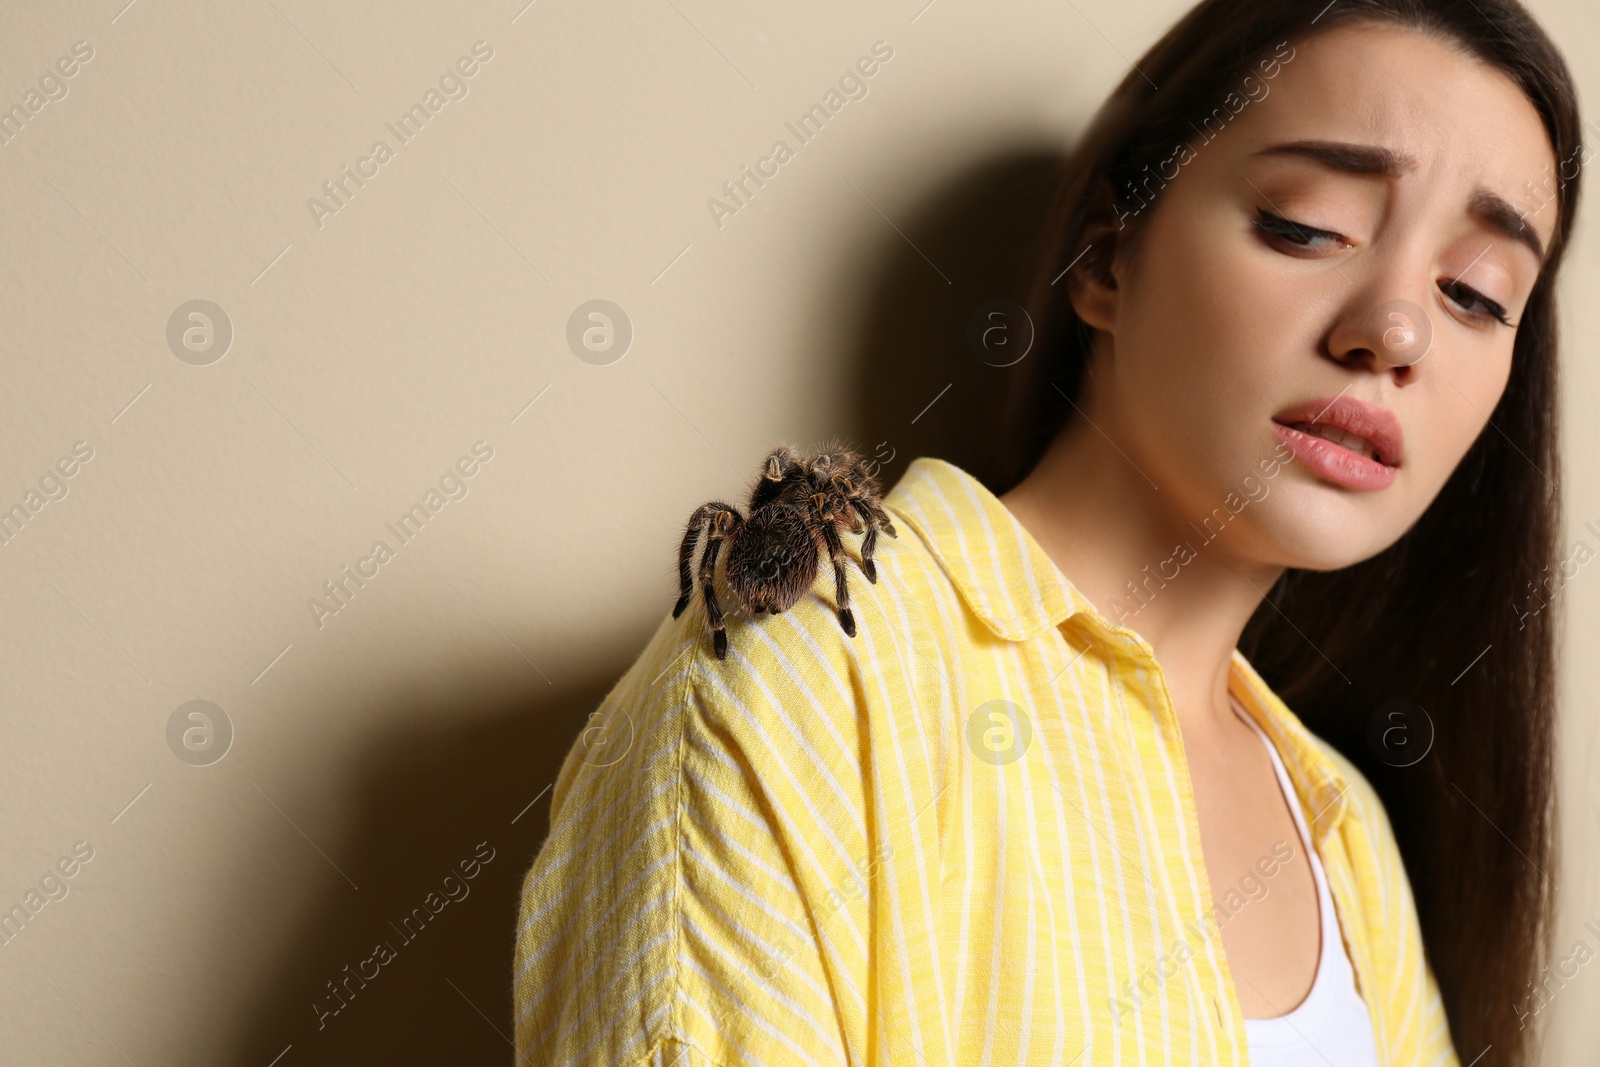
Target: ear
1091, 285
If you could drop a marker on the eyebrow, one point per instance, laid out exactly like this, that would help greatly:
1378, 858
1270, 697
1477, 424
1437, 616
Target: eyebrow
1489, 207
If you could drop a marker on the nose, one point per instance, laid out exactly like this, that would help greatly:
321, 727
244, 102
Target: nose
1392, 335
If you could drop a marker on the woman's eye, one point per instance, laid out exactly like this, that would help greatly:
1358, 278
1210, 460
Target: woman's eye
1466, 296
1294, 232
1302, 236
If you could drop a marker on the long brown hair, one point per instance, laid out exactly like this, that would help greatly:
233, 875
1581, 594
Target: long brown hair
1444, 618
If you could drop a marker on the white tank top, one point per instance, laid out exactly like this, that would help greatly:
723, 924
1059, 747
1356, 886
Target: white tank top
1332, 1025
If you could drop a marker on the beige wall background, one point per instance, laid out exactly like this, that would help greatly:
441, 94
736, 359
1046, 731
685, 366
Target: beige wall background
347, 366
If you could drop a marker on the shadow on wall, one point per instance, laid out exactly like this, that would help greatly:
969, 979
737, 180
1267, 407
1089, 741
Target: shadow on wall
930, 343
437, 804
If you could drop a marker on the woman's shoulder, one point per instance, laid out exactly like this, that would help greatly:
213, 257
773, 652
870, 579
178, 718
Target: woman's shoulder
751, 770
792, 680
807, 670
1371, 847
1410, 990
1336, 790
1363, 801
1334, 780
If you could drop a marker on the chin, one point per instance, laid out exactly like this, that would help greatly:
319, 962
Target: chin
1323, 528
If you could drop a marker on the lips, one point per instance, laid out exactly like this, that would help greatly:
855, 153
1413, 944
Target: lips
1364, 429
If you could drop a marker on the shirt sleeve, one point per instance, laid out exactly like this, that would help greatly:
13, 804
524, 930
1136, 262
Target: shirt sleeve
711, 890
595, 934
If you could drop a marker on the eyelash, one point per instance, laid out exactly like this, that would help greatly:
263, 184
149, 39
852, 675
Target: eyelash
1300, 236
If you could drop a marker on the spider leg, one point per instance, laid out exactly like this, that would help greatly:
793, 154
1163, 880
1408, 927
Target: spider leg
850, 494
869, 544
782, 467
691, 537
876, 520
860, 487
864, 500
724, 523
875, 515
838, 557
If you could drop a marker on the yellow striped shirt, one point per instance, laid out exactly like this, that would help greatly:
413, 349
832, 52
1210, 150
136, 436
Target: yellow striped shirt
965, 836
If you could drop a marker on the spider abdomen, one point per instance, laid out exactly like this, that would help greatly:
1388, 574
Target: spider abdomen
773, 561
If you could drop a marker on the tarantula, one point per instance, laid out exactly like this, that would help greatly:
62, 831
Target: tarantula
798, 506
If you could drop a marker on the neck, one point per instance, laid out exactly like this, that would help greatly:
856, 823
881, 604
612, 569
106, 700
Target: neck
1145, 555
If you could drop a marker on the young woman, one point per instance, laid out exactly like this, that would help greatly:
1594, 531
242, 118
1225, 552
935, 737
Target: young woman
1036, 794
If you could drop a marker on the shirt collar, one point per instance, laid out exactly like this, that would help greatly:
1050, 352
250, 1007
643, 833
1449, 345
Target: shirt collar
1002, 574
1016, 589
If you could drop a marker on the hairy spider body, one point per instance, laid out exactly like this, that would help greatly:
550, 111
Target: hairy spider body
798, 506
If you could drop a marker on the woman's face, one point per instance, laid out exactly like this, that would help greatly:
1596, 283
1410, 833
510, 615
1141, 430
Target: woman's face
1227, 322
